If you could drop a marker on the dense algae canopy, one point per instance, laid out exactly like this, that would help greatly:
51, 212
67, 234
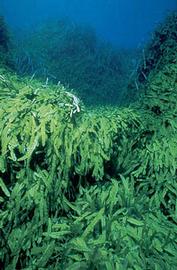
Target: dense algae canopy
90, 189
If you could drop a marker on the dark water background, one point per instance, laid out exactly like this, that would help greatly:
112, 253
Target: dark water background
125, 23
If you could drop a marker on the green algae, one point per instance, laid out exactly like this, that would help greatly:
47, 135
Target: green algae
89, 189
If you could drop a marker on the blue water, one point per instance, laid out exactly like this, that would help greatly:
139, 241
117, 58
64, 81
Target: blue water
125, 23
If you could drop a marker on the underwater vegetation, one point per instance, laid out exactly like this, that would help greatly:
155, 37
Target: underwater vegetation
4, 36
73, 55
91, 188
4, 43
159, 52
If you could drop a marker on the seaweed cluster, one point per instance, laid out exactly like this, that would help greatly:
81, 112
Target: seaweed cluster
89, 189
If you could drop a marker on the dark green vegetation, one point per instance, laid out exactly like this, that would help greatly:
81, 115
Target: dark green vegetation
4, 36
90, 189
4, 42
75, 56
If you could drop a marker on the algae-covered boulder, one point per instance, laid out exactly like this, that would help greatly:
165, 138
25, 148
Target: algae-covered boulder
161, 50
158, 57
